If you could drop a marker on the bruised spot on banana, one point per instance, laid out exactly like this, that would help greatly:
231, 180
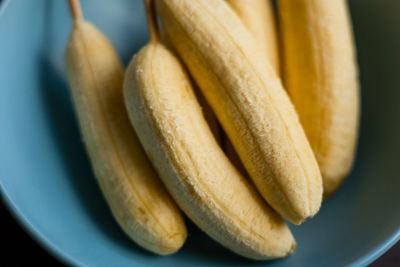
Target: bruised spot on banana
249, 100
321, 77
170, 124
136, 197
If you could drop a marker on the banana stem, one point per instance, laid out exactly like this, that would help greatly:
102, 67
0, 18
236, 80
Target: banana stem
75, 9
151, 21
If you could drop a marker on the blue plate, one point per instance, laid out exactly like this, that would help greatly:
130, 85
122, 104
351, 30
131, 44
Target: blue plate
46, 178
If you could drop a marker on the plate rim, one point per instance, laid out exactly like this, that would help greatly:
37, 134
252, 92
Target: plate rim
3, 6
34, 233
64, 257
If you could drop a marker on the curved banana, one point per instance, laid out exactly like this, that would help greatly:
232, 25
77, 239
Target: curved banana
249, 101
170, 125
137, 199
321, 76
259, 18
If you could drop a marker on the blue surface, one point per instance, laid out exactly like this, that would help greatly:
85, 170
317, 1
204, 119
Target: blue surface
46, 178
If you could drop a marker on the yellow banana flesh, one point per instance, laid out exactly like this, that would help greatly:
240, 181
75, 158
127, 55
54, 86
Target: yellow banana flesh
259, 18
321, 77
234, 157
207, 110
136, 197
169, 122
249, 101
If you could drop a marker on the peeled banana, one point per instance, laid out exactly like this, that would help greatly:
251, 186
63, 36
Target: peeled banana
322, 80
249, 101
207, 111
137, 199
170, 125
259, 18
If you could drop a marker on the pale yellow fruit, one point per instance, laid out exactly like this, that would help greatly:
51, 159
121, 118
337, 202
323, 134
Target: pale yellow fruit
322, 79
136, 197
248, 98
207, 187
259, 18
207, 110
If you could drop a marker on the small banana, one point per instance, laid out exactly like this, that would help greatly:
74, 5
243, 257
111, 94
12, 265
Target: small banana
248, 98
259, 18
321, 76
137, 198
169, 122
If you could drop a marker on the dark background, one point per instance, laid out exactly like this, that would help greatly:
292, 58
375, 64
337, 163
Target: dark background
19, 249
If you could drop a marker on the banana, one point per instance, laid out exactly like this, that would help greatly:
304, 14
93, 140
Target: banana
248, 98
259, 18
321, 76
207, 111
169, 122
137, 198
